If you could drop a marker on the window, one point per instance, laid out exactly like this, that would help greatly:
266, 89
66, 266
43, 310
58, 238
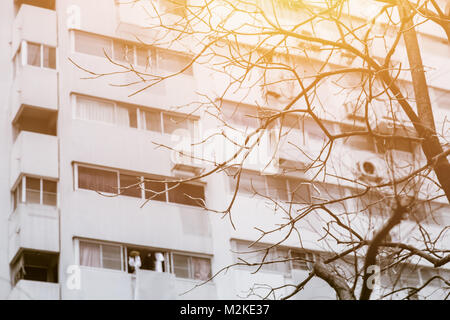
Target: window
121, 51
132, 53
151, 260
301, 260
40, 55
100, 255
256, 254
125, 115
17, 195
92, 44
94, 109
191, 267
130, 186
187, 193
33, 54
97, 179
152, 120
35, 266
274, 187
358, 142
395, 143
173, 62
373, 203
174, 122
284, 259
35, 190
155, 190
111, 181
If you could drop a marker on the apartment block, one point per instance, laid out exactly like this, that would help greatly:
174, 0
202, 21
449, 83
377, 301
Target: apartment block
86, 163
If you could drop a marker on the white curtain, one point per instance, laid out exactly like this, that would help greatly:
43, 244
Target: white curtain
123, 116
89, 254
202, 268
90, 109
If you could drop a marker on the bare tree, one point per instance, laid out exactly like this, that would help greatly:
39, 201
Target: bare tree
312, 88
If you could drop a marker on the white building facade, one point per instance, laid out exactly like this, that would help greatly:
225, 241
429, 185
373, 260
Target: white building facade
70, 143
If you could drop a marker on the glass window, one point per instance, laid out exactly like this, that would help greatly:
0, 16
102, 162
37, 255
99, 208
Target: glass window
126, 116
174, 122
173, 62
93, 109
111, 257
124, 52
96, 179
181, 266
241, 117
202, 268
33, 190
33, 54
17, 195
49, 192
277, 188
185, 193
300, 261
90, 254
143, 57
49, 57
300, 191
249, 183
152, 120
129, 186
152, 188
92, 44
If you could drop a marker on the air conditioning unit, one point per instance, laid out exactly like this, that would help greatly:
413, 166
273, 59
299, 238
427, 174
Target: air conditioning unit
369, 170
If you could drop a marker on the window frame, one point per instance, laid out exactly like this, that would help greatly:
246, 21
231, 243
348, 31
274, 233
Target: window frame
153, 53
123, 262
191, 270
141, 116
168, 256
143, 177
267, 189
23, 50
21, 197
76, 165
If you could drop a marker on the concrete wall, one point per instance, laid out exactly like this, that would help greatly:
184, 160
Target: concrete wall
27, 156
34, 290
33, 226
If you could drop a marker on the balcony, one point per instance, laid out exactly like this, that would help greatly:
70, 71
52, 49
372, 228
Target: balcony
106, 284
34, 24
33, 226
34, 290
29, 91
34, 154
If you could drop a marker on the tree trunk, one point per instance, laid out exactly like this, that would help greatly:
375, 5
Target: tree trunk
430, 145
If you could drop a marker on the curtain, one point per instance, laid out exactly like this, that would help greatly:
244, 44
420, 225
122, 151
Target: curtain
90, 109
123, 116
95, 179
34, 54
202, 268
89, 254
